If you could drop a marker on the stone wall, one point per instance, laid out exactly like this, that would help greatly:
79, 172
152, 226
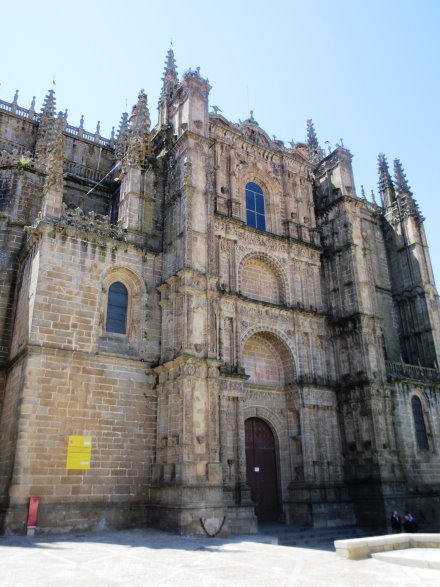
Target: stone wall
68, 394
75, 379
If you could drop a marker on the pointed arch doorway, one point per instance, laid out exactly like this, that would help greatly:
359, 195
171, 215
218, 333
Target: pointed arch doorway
261, 470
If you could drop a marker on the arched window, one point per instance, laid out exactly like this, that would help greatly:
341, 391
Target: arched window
255, 211
419, 423
117, 308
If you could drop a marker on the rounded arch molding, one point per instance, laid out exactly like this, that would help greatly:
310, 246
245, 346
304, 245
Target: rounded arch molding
274, 264
267, 184
136, 298
274, 421
279, 336
271, 190
422, 395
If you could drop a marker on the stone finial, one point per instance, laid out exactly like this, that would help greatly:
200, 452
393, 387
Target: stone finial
363, 193
98, 127
32, 108
15, 100
66, 113
81, 122
250, 121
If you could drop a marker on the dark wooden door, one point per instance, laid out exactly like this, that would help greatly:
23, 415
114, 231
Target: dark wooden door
261, 469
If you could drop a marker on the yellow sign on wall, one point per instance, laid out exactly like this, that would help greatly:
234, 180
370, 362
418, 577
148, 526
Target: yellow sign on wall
79, 452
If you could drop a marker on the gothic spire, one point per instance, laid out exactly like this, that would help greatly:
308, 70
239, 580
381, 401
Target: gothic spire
49, 104
400, 178
121, 141
315, 152
407, 202
47, 125
137, 139
386, 185
123, 125
140, 116
170, 78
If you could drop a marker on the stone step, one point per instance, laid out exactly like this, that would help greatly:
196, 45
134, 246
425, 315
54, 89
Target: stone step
315, 537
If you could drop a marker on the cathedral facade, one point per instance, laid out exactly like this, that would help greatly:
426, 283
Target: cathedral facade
221, 327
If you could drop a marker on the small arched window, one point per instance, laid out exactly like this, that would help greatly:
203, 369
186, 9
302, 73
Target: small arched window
117, 308
255, 210
419, 423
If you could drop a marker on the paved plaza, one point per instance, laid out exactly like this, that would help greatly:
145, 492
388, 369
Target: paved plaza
149, 557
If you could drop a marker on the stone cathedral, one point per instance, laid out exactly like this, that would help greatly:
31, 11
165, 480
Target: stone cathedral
230, 333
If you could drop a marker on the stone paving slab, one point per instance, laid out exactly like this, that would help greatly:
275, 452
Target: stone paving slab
428, 558
138, 558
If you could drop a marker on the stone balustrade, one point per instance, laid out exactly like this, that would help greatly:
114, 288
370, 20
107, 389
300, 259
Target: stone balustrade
302, 232
78, 170
404, 371
13, 108
11, 147
76, 131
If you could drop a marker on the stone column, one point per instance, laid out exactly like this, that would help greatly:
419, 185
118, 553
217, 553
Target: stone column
234, 202
224, 435
217, 169
241, 443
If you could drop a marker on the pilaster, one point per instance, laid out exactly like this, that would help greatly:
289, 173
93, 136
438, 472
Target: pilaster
187, 488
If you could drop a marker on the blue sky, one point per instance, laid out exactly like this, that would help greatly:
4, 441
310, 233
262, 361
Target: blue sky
367, 72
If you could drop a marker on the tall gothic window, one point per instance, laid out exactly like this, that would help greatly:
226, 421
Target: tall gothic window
255, 211
117, 308
419, 423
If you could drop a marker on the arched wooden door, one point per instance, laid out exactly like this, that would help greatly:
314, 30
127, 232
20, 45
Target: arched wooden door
261, 469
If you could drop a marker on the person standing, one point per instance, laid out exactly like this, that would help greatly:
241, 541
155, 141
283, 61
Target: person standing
409, 523
396, 522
